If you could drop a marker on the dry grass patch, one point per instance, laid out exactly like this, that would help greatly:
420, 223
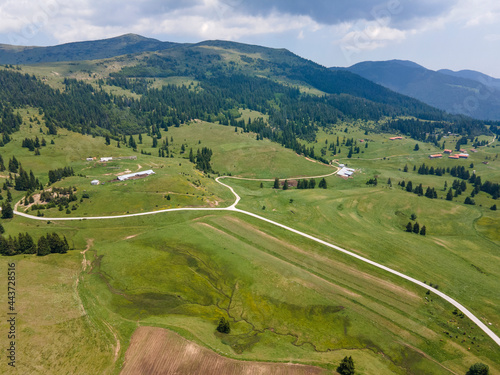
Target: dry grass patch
159, 351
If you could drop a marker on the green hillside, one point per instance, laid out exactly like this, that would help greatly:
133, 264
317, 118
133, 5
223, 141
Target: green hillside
278, 128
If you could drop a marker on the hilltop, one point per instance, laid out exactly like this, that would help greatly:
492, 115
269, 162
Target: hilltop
78, 51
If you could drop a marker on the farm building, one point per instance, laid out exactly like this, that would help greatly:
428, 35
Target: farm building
395, 138
136, 174
435, 156
107, 159
345, 172
453, 156
94, 182
447, 151
89, 159
463, 156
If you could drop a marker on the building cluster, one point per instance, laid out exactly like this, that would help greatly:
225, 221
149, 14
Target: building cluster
462, 155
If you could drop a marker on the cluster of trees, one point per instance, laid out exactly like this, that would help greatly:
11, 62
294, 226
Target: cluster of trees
431, 132
59, 173
24, 244
415, 228
203, 160
58, 196
13, 165
306, 184
460, 172
7, 211
9, 122
25, 182
426, 170
430, 192
463, 173
33, 144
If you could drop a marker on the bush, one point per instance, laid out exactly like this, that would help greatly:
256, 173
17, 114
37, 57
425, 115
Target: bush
223, 326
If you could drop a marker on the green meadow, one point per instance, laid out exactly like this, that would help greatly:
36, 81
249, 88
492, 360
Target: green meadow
287, 299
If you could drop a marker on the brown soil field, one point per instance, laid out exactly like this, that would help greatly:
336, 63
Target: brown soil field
159, 351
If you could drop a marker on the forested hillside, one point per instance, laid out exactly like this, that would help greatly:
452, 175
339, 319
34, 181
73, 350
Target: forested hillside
228, 76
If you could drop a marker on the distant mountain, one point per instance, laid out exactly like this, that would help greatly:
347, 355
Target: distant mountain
91, 50
475, 76
227, 76
467, 92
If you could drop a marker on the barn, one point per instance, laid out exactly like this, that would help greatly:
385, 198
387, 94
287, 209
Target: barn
136, 174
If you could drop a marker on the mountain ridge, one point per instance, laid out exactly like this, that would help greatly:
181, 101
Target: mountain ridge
466, 92
79, 51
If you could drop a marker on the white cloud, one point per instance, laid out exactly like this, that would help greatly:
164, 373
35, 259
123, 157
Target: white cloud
368, 36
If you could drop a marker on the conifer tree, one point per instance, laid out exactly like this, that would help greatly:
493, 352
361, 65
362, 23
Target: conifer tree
346, 366
409, 227
276, 183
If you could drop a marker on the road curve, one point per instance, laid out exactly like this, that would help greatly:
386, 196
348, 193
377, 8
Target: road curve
233, 208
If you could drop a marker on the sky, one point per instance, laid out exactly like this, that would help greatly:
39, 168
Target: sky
438, 34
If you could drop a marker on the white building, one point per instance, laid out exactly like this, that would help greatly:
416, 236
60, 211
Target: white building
94, 182
345, 172
136, 174
107, 159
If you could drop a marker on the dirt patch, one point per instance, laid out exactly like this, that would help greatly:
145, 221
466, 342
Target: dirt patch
125, 172
117, 346
129, 237
156, 351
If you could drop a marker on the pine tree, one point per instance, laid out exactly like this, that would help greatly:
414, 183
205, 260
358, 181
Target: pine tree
43, 247
449, 195
7, 211
423, 230
346, 366
409, 227
416, 228
322, 184
285, 185
276, 183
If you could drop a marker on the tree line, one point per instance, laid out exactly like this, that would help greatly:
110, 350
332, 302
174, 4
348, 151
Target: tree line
24, 244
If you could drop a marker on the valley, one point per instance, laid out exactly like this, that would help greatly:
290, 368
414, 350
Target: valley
245, 219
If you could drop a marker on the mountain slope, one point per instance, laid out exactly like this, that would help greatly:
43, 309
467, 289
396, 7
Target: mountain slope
89, 50
224, 76
475, 76
453, 93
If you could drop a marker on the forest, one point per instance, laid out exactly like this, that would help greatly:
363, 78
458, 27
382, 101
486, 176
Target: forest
293, 116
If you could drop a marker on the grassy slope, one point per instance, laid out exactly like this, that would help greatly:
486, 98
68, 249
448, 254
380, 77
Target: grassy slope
179, 270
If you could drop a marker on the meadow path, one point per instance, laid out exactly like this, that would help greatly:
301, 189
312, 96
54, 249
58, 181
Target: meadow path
233, 208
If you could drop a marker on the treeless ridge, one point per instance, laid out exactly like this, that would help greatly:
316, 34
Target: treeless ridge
155, 350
